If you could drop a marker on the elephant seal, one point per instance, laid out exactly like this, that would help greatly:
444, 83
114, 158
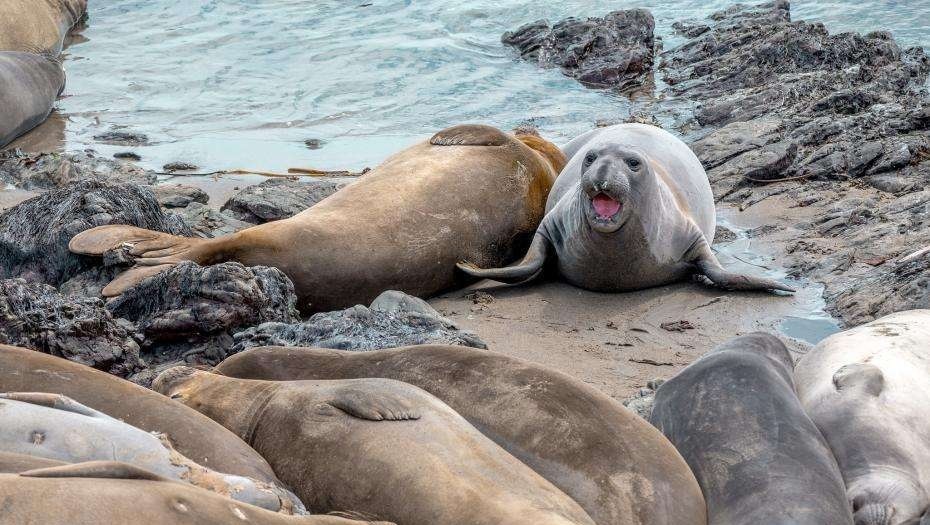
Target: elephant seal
469, 192
340, 444
868, 390
194, 435
632, 209
11, 463
735, 417
38, 26
100, 492
616, 466
58, 428
29, 86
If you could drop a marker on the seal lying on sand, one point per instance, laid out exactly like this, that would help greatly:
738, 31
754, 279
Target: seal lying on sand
38, 26
377, 446
190, 432
632, 209
868, 390
58, 428
470, 192
109, 492
734, 416
614, 464
29, 85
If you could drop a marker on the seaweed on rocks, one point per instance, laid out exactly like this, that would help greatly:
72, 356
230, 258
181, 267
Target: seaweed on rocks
36, 316
393, 319
34, 235
615, 51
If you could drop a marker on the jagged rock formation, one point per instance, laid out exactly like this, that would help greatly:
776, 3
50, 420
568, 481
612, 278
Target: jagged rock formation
276, 199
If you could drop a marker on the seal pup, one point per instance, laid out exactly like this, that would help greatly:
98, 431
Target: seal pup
868, 390
632, 209
377, 446
109, 492
192, 434
29, 85
55, 427
735, 417
470, 192
619, 468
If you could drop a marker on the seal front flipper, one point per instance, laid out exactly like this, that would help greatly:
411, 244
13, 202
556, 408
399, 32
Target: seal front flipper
56, 401
470, 135
707, 263
94, 469
862, 377
383, 406
525, 270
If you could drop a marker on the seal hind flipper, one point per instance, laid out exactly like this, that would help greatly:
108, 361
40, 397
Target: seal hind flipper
384, 406
861, 376
708, 265
523, 271
132, 277
97, 241
94, 469
470, 135
56, 401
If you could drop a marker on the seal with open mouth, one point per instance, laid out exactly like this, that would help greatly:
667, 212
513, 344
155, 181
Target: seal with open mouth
632, 209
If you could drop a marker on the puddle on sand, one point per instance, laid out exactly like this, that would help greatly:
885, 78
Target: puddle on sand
809, 321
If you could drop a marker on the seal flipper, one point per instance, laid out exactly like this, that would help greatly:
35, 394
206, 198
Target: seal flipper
701, 256
94, 469
470, 135
525, 270
385, 406
56, 401
132, 277
860, 376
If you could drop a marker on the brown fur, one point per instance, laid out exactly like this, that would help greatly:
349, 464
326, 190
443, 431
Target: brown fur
38, 26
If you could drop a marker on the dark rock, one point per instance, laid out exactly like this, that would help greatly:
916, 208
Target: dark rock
44, 171
34, 235
888, 288
891, 183
127, 155
190, 312
393, 320
614, 51
276, 199
80, 329
313, 143
734, 139
723, 235
179, 195
642, 402
898, 157
122, 138
180, 166
205, 221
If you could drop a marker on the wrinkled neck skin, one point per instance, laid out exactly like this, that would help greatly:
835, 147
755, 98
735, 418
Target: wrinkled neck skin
646, 251
885, 495
235, 404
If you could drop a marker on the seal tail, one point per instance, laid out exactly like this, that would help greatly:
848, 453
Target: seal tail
154, 251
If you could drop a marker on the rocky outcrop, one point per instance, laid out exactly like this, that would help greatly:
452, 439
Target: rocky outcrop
393, 319
47, 171
276, 199
615, 51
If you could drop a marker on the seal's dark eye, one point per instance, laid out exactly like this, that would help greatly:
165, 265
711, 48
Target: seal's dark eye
633, 163
589, 158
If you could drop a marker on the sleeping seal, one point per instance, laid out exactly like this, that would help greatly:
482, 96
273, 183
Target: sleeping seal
111, 493
735, 417
29, 86
868, 390
469, 192
632, 209
57, 428
377, 446
621, 470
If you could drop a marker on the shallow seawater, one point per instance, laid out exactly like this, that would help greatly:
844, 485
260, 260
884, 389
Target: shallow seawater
240, 83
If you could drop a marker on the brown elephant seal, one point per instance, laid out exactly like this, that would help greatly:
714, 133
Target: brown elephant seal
632, 209
38, 26
616, 466
470, 192
109, 492
735, 417
192, 434
868, 390
29, 86
11, 463
380, 447
58, 428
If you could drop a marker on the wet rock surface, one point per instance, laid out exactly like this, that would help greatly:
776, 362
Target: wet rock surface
276, 199
615, 51
179, 195
46, 171
393, 319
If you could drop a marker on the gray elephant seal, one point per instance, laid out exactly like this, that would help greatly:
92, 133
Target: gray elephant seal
632, 209
633, 477
58, 428
340, 444
468, 192
735, 417
868, 390
29, 86
109, 492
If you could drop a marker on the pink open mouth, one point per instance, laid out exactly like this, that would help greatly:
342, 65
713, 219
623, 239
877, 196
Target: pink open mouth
604, 206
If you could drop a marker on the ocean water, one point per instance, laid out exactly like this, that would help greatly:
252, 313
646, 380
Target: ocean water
244, 83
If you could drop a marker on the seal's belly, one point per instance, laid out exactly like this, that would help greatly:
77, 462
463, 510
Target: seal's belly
620, 271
